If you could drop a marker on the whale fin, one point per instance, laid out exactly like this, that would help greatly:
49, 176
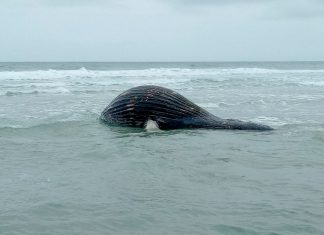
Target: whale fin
151, 125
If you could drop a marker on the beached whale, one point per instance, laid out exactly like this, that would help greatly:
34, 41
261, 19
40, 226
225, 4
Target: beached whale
166, 109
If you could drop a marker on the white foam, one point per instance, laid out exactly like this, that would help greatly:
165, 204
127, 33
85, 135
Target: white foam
275, 121
209, 105
313, 83
63, 81
156, 72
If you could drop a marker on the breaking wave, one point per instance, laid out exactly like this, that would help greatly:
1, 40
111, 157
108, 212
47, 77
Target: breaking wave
84, 80
152, 72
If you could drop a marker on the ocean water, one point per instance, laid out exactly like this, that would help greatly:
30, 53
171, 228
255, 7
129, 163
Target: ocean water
62, 171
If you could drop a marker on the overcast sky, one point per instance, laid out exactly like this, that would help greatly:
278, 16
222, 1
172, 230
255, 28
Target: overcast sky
161, 30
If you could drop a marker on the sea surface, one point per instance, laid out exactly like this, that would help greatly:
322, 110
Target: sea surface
62, 171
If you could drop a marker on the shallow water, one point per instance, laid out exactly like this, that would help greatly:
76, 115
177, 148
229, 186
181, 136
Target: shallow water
62, 171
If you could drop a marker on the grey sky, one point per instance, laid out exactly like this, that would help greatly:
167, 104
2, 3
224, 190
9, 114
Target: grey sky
161, 30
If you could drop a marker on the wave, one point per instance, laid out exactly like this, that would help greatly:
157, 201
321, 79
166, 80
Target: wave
152, 72
275, 121
57, 90
312, 83
46, 125
83, 80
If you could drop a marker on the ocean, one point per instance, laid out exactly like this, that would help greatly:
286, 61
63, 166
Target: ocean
62, 171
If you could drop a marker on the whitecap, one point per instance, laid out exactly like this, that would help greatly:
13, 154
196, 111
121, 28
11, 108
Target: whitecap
269, 120
152, 72
312, 83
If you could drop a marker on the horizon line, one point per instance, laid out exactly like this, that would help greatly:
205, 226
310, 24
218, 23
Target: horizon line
162, 61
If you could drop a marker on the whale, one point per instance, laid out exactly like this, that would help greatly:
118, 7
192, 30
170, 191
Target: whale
151, 105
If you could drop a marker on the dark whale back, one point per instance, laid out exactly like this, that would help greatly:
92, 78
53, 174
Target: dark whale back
170, 110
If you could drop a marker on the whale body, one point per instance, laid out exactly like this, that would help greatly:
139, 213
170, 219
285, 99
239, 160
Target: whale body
168, 109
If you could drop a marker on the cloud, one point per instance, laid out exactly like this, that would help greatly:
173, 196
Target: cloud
215, 2
75, 2
54, 3
269, 9
147, 30
299, 9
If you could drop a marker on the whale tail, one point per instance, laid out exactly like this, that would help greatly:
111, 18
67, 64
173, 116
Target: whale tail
241, 125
